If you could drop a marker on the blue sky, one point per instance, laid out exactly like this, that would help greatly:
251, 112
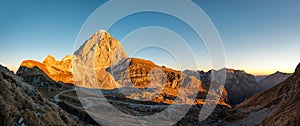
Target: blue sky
260, 37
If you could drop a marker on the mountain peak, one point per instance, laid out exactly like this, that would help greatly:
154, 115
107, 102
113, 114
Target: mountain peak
101, 50
298, 69
103, 33
278, 72
230, 70
49, 58
67, 57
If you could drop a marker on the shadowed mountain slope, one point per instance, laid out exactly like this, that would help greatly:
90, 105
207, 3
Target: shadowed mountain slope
277, 106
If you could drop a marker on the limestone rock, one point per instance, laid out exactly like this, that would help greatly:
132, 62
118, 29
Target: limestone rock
56, 70
100, 51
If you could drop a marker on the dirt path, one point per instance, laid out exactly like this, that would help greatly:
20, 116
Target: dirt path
56, 97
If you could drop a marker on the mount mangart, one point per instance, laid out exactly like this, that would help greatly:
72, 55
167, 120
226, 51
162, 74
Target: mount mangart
47, 90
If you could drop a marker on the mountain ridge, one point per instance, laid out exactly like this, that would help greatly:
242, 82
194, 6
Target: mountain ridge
275, 106
101, 51
273, 79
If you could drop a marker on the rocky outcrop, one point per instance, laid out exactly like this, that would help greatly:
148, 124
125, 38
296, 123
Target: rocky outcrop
140, 73
277, 106
272, 80
22, 104
144, 74
56, 70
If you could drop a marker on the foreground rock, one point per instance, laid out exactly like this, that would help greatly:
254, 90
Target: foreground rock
56, 92
22, 104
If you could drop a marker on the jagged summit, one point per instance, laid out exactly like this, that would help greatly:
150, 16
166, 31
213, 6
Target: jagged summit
49, 58
101, 34
101, 50
56, 70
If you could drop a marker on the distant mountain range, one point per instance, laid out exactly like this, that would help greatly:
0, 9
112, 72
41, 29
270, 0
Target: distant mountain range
273, 79
278, 106
50, 86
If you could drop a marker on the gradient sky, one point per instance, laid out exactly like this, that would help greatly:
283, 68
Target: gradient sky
260, 37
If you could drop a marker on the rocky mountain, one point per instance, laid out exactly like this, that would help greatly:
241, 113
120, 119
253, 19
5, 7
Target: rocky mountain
238, 85
56, 70
159, 84
272, 80
277, 106
132, 85
22, 104
93, 57
100, 51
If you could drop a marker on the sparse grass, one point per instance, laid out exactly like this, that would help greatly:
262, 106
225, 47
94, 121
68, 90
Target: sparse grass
17, 101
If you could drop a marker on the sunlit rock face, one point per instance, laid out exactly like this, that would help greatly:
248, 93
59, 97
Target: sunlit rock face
143, 80
56, 70
102, 63
152, 79
100, 51
93, 57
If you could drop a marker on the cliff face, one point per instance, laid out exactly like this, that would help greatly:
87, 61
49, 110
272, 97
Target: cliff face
144, 74
157, 83
139, 73
56, 70
240, 85
100, 51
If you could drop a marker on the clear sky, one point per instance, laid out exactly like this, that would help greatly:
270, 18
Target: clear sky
260, 37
